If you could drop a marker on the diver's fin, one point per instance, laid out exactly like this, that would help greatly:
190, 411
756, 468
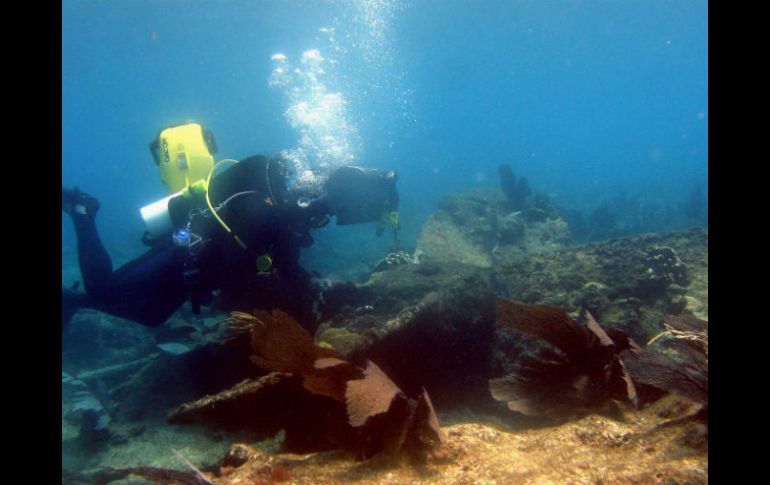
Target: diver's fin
73, 201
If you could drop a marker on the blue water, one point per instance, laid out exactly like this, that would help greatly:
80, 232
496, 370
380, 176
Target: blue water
587, 99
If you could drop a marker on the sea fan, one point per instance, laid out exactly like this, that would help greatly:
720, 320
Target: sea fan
576, 367
683, 369
378, 416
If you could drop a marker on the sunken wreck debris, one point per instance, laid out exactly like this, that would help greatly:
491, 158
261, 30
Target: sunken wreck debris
319, 399
579, 370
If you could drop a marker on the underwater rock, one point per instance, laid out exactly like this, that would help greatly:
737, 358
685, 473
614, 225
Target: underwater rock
611, 279
663, 268
511, 227
87, 409
443, 241
433, 331
95, 340
629, 283
428, 325
479, 228
340, 339
168, 380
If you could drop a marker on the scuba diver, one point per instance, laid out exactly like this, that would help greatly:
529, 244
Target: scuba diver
231, 236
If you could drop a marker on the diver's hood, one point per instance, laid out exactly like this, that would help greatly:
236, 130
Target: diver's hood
357, 194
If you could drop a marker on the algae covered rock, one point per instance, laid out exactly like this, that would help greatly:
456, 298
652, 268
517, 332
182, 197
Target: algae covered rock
428, 324
479, 228
629, 283
339, 339
442, 240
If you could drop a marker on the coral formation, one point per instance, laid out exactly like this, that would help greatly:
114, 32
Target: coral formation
370, 396
394, 259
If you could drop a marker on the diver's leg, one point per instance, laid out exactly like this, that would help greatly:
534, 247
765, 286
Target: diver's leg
95, 262
148, 289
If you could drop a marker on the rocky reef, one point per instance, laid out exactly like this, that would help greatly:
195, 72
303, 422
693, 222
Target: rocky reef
479, 228
415, 375
627, 282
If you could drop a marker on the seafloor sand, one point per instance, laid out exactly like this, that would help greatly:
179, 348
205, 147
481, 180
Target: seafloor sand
592, 450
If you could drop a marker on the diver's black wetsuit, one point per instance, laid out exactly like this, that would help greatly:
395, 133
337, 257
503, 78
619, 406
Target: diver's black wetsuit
147, 289
259, 209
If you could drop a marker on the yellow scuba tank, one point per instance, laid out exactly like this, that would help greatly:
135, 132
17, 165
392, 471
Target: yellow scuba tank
184, 155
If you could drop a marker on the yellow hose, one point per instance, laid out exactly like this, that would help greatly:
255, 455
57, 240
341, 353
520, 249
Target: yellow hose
211, 207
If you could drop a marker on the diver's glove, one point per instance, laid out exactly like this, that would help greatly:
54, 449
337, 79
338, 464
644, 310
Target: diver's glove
74, 202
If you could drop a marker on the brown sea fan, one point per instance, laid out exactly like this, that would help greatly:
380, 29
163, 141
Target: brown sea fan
578, 368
